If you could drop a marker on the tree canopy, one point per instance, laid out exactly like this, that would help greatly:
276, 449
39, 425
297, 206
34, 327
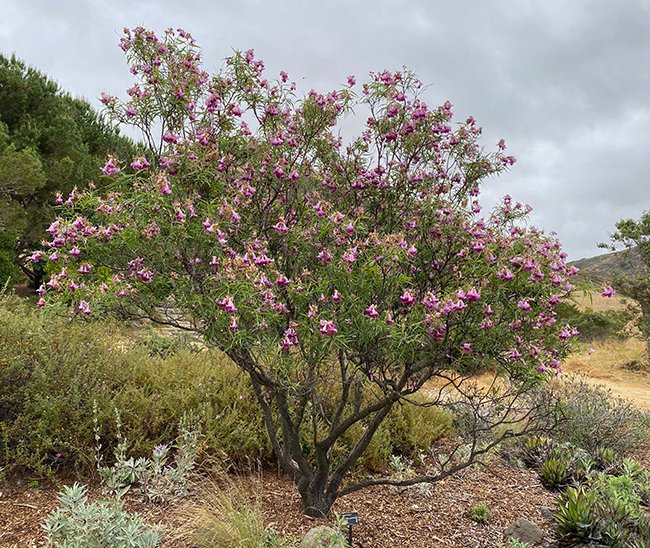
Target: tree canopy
635, 233
50, 142
342, 278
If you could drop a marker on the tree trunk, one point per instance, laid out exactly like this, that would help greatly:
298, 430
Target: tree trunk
315, 502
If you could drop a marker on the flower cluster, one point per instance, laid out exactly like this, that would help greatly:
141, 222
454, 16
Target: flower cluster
269, 233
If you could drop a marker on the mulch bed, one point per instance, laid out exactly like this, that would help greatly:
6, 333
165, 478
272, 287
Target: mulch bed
389, 517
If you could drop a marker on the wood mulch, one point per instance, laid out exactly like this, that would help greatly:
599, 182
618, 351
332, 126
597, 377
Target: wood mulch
389, 517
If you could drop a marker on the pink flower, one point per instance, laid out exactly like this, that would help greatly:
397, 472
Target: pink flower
110, 169
228, 305
165, 190
336, 296
505, 274
407, 298
40, 303
371, 311
85, 268
327, 327
324, 256
514, 354
139, 163
37, 256
290, 338
170, 137
234, 326
608, 291
84, 307
350, 255
524, 305
281, 226
207, 226
351, 80
472, 295
466, 347
430, 301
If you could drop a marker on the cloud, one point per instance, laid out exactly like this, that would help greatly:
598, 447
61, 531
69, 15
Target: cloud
565, 83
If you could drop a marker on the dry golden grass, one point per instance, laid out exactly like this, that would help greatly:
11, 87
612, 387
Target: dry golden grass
611, 364
221, 516
593, 300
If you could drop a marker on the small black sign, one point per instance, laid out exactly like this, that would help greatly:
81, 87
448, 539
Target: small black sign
351, 518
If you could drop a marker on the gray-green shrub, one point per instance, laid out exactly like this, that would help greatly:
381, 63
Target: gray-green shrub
102, 524
593, 419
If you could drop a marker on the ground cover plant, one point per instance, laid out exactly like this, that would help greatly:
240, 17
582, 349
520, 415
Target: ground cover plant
342, 278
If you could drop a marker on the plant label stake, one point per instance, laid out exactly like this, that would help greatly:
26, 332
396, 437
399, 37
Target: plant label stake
350, 519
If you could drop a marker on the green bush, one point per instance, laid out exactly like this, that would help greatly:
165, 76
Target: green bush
9, 273
607, 509
408, 430
53, 369
608, 324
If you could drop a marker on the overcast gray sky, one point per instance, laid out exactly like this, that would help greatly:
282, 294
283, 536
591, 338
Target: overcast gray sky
566, 83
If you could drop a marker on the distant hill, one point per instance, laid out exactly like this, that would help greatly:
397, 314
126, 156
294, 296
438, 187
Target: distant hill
607, 266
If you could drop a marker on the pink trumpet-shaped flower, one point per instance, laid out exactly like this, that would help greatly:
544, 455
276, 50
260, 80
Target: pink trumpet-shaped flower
371, 311
608, 291
327, 327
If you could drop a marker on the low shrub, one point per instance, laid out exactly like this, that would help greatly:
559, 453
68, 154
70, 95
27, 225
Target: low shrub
9, 272
592, 325
53, 369
594, 420
102, 524
161, 477
608, 509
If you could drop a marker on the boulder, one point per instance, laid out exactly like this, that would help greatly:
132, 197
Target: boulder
323, 537
526, 531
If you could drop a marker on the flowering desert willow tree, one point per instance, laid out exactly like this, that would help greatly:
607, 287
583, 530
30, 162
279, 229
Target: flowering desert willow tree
342, 279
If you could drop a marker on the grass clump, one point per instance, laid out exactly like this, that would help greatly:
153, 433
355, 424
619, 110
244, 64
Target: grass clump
221, 517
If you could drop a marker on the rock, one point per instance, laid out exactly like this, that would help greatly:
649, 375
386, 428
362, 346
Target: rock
323, 537
546, 513
525, 531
